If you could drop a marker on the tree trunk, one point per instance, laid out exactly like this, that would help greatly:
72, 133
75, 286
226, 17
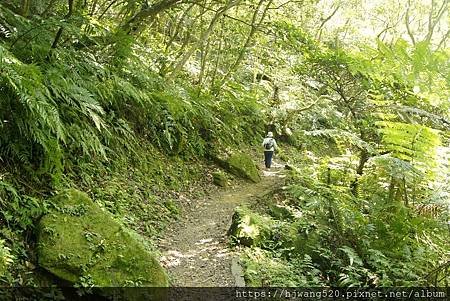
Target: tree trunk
204, 37
25, 9
364, 157
134, 24
325, 20
60, 30
407, 24
405, 192
178, 26
253, 28
391, 190
216, 63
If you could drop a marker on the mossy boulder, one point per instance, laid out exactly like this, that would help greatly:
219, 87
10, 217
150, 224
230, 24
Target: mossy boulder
80, 243
249, 228
220, 179
242, 165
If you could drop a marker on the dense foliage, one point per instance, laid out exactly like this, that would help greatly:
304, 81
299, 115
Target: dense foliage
126, 99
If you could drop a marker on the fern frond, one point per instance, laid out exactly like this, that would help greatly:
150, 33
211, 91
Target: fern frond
413, 143
343, 135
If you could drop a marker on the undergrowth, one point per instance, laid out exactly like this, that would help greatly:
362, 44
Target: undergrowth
129, 138
323, 235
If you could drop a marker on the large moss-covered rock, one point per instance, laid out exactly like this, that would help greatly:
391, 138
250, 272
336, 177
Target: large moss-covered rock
80, 243
242, 165
249, 228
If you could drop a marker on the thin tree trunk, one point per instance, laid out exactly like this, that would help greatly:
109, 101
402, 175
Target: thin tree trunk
106, 9
133, 25
216, 64
443, 40
204, 54
204, 36
407, 23
364, 157
405, 192
60, 30
391, 189
253, 28
319, 32
432, 22
25, 9
177, 28
164, 69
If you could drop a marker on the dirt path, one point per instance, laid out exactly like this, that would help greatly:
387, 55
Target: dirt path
195, 249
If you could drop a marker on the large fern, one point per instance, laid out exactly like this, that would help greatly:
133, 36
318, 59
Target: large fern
28, 113
412, 143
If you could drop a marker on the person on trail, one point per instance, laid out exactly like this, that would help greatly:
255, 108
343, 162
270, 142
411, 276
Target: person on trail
269, 145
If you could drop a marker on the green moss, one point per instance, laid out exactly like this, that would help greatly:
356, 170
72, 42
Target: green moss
242, 165
280, 212
172, 206
296, 237
92, 244
248, 228
263, 267
220, 179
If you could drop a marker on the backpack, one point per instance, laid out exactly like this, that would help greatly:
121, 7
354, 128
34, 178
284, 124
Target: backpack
268, 145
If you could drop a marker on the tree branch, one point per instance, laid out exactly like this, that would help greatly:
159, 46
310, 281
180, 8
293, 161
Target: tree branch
253, 29
407, 23
134, 23
60, 30
443, 40
319, 32
433, 22
285, 3
225, 15
106, 9
205, 35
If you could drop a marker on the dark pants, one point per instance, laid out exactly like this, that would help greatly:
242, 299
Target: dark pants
268, 158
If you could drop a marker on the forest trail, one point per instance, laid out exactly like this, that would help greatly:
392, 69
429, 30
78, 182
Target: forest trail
195, 248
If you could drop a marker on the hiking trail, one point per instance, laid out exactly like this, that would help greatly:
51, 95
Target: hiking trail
195, 249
